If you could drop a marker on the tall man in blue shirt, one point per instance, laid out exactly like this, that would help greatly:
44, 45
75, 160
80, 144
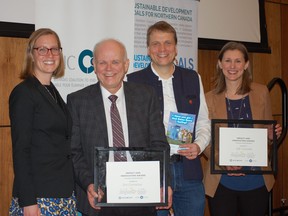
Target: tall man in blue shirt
179, 90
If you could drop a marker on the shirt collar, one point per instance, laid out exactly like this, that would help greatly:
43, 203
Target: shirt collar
119, 93
159, 78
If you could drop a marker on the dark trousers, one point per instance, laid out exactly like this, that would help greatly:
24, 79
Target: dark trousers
126, 211
245, 203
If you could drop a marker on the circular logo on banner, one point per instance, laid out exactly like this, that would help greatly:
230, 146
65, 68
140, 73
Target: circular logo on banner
83, 55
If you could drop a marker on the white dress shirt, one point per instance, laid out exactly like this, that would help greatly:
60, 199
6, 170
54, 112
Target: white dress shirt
203, 124
121, 106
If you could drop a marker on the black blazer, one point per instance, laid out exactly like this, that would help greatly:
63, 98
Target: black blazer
89, 129
41, 131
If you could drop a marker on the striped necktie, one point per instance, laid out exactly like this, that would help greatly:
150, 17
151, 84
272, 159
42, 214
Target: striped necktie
117, 130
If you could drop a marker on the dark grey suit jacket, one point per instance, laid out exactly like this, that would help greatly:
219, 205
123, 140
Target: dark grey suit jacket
89, 129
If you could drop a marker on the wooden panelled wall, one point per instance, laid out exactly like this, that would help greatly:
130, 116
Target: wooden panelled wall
265, 67
11, 58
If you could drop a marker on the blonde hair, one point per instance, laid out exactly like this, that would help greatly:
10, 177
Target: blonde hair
28, 66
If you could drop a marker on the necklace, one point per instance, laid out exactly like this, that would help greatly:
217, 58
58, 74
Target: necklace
51, 92
231, 111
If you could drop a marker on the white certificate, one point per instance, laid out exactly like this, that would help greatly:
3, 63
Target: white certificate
133, 182
243, 147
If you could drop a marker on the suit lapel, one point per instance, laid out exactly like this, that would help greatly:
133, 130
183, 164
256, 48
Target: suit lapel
60, 113
128, 92
44, 92
129, 98
96, 106
220, 106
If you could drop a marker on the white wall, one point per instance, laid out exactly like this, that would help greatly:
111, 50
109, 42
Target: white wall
19, 11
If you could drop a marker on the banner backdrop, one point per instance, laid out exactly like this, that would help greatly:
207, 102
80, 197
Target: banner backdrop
81, 24
182, 15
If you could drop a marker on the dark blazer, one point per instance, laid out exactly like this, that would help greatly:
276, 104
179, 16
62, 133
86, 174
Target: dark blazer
89, 129
41, 132
187, 96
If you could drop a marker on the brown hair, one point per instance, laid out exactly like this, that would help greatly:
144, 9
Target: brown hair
28, 66
219, 79
163, 27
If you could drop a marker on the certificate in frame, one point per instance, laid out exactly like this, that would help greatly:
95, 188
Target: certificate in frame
141, 180
245, 144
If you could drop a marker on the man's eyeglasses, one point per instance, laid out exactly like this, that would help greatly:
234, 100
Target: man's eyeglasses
44, 50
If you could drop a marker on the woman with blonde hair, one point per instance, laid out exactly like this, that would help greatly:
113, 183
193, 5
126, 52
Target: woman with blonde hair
41, 131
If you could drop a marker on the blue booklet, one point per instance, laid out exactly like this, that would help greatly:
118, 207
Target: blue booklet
180, 130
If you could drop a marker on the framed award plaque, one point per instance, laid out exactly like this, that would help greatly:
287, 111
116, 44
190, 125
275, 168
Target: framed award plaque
243, 146
138, 179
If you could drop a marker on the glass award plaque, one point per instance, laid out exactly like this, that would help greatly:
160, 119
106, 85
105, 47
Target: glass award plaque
243, 146
131, 176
